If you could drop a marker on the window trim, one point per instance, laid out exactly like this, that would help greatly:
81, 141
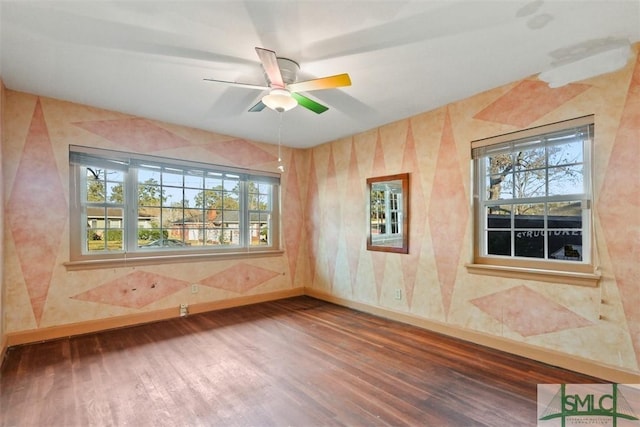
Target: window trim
80, 261
556, 271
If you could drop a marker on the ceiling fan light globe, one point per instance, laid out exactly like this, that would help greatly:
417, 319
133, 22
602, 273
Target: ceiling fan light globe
279, 100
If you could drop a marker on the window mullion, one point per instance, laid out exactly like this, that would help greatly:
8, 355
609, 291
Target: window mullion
244, 215
131, 209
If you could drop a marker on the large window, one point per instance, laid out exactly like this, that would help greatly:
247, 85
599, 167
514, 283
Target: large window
132, 205
532, 198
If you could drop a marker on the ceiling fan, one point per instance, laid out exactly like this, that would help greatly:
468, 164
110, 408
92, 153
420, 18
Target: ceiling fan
284, 91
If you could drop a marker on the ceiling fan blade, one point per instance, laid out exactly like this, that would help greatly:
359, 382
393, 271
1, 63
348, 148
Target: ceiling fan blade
309, 103
322, 83
257, 108
270, 64
244, 85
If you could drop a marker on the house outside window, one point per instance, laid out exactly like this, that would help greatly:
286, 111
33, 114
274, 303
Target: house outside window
532, 200
129, 205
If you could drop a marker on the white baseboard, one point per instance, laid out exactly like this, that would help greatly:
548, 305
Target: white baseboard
551, 357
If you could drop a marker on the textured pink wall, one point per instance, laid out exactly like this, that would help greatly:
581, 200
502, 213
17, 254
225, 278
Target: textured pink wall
434, 148
323, 199
39, 290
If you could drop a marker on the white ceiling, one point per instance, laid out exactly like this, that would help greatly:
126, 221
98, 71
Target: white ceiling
149, 58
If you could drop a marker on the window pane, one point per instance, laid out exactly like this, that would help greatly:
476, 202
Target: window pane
213, 180
213, 199
254, 201
193, 216
212, 236
191, 197
104, 229
148, 215
114, 233
263, 188
530, 158
530, 183
229, 235
148, 233
149, 194
115, 192
499, 164
230, 200
177, 237
566, 180
172, 177
530, 243
567, 153
499, 176
149, 174
96, 223
499, 216
529, 215
115, 175
565, 246
231, 184
114, 239
172, 196
499, 243
95, 242
499, 187
172, 216
210, 216
194, 179
259, 229
95, 185
565, 214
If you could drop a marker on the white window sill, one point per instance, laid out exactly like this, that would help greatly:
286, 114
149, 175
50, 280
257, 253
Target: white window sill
135, 261
553, 276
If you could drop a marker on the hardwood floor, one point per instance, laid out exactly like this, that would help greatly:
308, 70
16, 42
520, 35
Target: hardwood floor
294, 362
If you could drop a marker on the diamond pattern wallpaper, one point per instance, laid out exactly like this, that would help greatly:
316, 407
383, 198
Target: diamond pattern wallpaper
134, 134
619, 203
417, 213
527, 102
324, 225
37, 211
544, 315
134, 290
448, 213
239, 278
441, 222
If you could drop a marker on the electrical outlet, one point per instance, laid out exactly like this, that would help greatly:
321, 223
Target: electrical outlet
194, 288
184, 309
398, 293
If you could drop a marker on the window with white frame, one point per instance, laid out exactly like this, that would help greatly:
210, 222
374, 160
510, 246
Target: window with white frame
140, 206
532, 198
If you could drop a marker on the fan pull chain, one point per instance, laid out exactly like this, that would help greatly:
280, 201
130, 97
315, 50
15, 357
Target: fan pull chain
280, 165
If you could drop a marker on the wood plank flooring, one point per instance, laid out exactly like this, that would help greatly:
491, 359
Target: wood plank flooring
294, 362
